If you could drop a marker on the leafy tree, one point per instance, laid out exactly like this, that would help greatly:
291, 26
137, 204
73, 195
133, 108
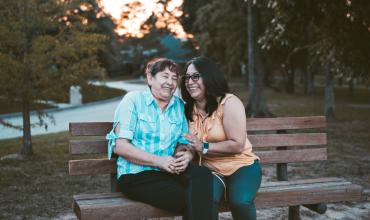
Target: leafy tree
220, 30
141, 49
189, 16
109, 56
286, 39
45, 47
333, 34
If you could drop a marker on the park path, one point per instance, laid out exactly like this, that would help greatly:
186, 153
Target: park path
97, 111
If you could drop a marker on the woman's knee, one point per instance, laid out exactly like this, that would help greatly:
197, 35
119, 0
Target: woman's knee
244, 202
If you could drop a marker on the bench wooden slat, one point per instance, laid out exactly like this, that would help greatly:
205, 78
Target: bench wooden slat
90, 128
278, 140
308, 194
303, 181
92, 166
292, 156
105, 166
285, 123
264, 185
260, 140
117, 206
253, 124
88, 146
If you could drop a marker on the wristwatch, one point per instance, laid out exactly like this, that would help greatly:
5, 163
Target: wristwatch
205, 147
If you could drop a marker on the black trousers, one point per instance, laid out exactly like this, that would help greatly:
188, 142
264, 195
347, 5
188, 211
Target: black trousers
189, 193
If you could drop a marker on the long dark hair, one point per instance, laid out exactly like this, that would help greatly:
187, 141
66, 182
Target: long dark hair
214, 82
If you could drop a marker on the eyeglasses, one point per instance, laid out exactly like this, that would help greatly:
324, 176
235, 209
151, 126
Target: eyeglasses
195, 77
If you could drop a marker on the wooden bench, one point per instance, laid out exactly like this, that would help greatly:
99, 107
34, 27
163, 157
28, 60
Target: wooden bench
274, 141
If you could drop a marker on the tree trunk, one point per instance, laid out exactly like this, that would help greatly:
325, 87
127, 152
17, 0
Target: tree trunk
27, 141
311, 83
309, 79
267, 78
329, 92
256, 104
290, 81
250, 54
340, 81
308, 85
351, 87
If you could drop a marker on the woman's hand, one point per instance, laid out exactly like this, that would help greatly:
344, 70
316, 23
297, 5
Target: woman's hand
182, 160
181, 147
167, 164
195, 143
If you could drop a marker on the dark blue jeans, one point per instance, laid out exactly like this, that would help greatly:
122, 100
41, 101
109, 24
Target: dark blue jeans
241, 188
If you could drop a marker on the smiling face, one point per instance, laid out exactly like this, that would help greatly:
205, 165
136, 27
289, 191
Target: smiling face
163, 84
194, 83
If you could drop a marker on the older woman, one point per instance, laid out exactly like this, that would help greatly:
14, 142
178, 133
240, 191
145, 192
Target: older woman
217, 125
147, 127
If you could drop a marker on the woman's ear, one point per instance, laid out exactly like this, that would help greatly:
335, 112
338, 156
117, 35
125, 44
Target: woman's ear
149, 78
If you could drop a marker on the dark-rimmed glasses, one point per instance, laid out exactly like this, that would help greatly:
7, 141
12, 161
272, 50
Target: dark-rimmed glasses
195, 77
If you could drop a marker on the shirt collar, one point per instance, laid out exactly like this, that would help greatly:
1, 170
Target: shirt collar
196, 115
149, 98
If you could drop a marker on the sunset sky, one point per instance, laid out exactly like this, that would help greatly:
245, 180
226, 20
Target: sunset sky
129, 21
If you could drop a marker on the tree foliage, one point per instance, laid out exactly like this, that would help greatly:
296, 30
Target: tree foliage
335, 32
45, 47
330, 38
220, 30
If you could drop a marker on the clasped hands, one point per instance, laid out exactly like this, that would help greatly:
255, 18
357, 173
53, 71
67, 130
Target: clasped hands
178, 162
183, 155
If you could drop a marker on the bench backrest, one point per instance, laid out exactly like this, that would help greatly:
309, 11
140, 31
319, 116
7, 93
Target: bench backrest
274, 140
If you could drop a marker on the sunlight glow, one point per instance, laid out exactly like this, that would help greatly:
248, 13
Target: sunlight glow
130, 16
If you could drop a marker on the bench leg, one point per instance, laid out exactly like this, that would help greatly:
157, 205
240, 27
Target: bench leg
282, 175
294, 213
319, 208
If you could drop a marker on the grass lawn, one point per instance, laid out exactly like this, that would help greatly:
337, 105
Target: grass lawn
90, 94
7, 107
40, 187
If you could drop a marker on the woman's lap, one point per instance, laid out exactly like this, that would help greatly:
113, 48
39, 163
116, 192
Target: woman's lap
157, 188
242, 185
171, 191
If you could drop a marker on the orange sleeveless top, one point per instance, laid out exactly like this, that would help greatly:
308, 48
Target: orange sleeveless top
211, 130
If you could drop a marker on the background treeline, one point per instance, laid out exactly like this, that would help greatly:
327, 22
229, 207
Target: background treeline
295, 41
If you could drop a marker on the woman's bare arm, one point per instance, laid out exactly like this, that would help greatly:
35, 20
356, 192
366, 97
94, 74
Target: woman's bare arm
234, 123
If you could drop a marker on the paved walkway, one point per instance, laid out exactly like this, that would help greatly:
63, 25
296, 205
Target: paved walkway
97, 111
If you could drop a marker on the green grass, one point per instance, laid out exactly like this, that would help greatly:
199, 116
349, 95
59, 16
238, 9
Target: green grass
40, 187
95, 93
91, 93
10, 107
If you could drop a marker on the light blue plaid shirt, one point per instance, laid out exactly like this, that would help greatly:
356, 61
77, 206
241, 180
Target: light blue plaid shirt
149, 129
